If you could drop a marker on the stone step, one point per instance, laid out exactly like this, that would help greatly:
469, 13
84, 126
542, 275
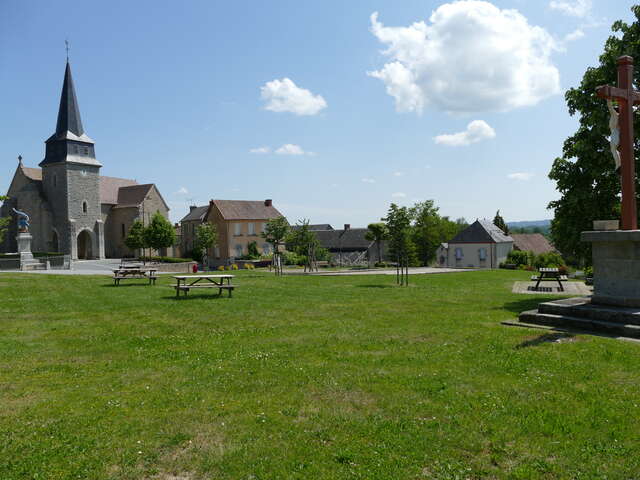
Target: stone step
34, 266
580, 323
583, 308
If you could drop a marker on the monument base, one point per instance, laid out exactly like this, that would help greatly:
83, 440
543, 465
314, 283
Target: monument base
616, 267
24, 250
614, 307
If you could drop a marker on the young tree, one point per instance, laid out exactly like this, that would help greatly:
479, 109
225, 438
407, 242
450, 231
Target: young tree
499, 222
398, 222
135, 238
377, 232
304, 243
253, 253
4, 222
206, 237
159, 233
274, 233
586, 175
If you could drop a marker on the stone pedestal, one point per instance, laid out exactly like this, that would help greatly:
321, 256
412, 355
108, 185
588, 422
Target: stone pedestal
616, 267
24, 247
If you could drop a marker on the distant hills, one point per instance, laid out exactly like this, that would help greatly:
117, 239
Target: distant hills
544, 224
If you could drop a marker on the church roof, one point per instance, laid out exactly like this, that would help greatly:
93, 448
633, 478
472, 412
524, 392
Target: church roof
33, 173
133, 195
69, 124
481, 231
246, 209
109, 187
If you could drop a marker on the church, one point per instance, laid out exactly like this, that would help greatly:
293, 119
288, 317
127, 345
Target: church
73, 209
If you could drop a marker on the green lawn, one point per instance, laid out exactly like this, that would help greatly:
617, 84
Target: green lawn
305, 377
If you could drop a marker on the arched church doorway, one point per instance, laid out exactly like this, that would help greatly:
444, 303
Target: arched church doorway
84, 245
54, 242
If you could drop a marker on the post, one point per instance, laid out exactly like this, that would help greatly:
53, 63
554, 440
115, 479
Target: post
625, 82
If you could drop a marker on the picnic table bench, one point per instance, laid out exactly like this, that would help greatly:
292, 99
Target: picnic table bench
210, 281
549, 274
134, 272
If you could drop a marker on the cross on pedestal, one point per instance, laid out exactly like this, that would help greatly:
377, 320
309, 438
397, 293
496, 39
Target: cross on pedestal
626, 97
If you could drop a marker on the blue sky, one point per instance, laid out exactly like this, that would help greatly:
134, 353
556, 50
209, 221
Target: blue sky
180, 96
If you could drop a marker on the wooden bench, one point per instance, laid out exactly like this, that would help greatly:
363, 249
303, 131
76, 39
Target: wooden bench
562, 278
550, 274
135, 273
211, 281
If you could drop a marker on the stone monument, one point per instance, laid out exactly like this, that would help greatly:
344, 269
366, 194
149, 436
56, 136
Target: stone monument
24, 240
614, 307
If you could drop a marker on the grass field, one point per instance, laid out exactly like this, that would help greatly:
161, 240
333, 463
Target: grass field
305, 377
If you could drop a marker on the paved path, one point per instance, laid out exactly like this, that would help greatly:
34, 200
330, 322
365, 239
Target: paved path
412, 271
80, 267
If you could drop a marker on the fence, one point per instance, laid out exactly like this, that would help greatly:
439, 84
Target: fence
55, 262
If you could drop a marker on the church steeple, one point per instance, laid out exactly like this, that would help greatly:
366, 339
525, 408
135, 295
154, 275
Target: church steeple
68, 113
69, 143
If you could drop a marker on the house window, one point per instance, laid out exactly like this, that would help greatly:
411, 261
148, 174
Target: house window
85, 207
237, 229
123, 231
252, 228
483, 254
216, 251
266, 248
238, 250
459, 254
264, 227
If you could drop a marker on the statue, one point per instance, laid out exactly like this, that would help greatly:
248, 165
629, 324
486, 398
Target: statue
614, 139
23, 221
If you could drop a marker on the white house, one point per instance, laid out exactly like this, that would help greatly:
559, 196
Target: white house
480, 245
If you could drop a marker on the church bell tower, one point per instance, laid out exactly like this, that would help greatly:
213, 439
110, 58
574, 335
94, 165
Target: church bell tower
71, 181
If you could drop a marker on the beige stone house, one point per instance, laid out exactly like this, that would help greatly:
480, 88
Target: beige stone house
480, 245
238, 222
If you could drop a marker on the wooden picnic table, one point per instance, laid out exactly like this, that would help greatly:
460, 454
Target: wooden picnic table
133, 271
552, 274
210, 281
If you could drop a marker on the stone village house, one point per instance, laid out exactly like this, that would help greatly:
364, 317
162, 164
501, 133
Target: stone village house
238, 222
480, 245
72, 208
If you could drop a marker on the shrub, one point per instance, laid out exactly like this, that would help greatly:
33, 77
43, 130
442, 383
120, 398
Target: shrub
519, 257
221, 268
381, 265
249, 266
550, 259
588, 271
291, 258
234, 267
166, 259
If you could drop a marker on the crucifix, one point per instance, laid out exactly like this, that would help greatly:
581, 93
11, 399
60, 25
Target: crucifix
66, 46
626, 97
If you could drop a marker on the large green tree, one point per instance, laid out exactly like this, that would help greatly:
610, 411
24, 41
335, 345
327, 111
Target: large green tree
4, 222
159, 233
499, 222
276, 230
430, 230
135, 238
585, 175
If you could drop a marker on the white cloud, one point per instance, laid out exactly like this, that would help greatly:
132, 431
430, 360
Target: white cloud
398, 195
476, 131
522, 176
182, 191
398, 174
368, 180
470, 57
574, 8
291, 149
577, 34
285, 96
260, 150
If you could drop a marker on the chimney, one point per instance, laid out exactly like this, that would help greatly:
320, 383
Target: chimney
192, 208
268, 202
347, 226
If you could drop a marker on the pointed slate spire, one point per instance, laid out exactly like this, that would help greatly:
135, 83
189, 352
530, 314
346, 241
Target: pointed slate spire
68, 113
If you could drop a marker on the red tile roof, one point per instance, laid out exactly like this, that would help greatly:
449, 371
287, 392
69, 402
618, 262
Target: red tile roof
246, 209
535, 242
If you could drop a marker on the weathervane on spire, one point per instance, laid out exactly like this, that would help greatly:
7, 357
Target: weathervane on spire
66, 46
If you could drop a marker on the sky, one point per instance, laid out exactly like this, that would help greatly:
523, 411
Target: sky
333, 109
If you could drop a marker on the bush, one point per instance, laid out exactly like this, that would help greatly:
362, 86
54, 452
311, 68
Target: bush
291, 258
234, 267
166, 259
380, 265
249, 266
221, 268
588, 272
550, 259
519, 257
